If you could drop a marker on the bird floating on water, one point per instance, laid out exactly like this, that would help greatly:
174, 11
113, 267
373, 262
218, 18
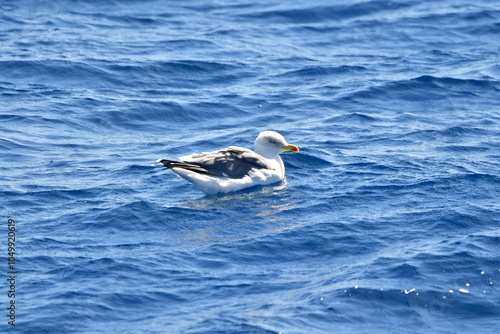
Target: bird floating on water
235, 168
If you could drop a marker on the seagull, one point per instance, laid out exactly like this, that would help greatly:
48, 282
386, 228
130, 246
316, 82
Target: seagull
235, 168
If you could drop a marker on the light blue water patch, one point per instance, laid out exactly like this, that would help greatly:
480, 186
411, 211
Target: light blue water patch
387, 220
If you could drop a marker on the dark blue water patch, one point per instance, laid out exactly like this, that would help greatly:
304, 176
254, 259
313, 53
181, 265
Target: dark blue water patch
231, 324
80, 313
324, 14
33, 197
42, 262
360, 140
465, 21
181, 68
444, 183
405, 270
485, 29
439, 220
464, 191
302, 244
466, 85
262, 121
439, 303
150, 300
59, 73
318, 71
160, 116
204, 8
482, 251
351, 118
484, 242
464, 270
139, 216
188, 44
462, 149
17, 145
8, 89
309, 159
122, 21
462, 220
76, 194
426, 88
9, 18
65, 123
95, 268
146, 112
455, 134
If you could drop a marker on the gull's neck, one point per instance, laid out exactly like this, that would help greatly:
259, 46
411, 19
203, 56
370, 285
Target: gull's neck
269, 155
277, 162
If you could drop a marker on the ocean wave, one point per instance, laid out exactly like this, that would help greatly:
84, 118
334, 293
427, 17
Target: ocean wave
321, 13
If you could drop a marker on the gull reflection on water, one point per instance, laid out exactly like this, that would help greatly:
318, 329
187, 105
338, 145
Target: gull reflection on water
264, 199
233, 216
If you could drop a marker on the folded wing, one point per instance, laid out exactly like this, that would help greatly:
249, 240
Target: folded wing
233, 162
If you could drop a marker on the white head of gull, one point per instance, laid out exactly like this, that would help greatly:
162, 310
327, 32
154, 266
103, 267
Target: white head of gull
269, 144
235, 168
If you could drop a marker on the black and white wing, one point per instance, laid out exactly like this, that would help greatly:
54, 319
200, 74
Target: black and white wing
233, 162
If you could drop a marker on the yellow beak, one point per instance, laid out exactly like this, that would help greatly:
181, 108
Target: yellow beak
290, 147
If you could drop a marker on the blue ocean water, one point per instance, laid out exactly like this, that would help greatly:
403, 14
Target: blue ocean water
388, 220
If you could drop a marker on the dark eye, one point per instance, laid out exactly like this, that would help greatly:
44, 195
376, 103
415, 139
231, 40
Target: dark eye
272, 141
